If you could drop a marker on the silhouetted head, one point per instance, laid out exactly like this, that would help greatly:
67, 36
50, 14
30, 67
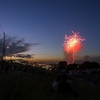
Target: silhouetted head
64, 77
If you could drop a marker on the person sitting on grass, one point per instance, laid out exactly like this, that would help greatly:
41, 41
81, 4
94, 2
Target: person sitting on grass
55, 83
64, 87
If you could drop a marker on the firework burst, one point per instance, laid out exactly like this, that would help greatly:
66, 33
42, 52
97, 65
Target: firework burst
72, 44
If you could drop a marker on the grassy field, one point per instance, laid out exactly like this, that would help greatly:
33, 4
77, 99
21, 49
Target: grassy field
34, 86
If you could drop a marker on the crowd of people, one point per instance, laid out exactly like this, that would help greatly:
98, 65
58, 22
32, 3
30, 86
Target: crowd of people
61, 83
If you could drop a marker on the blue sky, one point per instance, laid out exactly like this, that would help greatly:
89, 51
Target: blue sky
47, 21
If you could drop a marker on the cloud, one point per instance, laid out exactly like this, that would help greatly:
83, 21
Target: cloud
16, 45
95, 58
42, 54
91, 58
36, 44
25, 55
86, 57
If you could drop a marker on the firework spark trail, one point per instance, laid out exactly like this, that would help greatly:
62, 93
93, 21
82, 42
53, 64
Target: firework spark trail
72, 44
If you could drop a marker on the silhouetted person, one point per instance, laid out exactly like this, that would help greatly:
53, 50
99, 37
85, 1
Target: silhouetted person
62, 65
64, 87
55, 83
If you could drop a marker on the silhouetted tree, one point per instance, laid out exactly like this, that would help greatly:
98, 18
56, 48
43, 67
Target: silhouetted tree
94, 65
85, 65
62, 65
72, 66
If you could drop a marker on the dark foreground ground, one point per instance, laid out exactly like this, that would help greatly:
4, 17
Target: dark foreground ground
33, 85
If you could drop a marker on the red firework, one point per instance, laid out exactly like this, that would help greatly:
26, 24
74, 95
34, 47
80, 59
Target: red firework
73, 43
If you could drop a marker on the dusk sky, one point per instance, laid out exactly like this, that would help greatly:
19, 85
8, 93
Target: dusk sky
46, 22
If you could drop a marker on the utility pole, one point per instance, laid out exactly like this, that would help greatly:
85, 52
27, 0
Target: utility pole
4, 46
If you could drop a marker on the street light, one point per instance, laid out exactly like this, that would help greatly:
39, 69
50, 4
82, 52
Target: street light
10, 53
7, 47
